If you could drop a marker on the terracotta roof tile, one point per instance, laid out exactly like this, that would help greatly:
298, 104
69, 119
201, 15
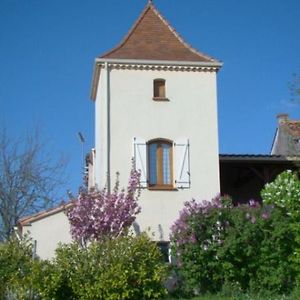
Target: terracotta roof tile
27, 220
293, 128
152, 38
287, 137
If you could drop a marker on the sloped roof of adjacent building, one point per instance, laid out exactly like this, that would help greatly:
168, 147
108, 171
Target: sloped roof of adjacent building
27, 220
293, 128
287, 137
152, 38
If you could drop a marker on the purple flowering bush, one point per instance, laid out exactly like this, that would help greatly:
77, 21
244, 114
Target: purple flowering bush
216, 245
98, 215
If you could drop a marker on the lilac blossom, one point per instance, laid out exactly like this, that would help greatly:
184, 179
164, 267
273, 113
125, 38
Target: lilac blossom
183, 233
265, 215
253, 203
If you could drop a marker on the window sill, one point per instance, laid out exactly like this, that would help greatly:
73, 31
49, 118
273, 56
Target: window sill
162, 188
160, 99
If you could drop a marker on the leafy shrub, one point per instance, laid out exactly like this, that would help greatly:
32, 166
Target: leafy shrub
122, 268
217, 245
15, 266
284, 193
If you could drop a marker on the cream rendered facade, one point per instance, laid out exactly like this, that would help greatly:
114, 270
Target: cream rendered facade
47, 232
127, 118
125, 110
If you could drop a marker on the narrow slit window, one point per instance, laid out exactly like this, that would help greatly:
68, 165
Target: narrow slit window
159, 89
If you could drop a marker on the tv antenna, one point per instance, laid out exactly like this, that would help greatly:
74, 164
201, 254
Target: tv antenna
82, 141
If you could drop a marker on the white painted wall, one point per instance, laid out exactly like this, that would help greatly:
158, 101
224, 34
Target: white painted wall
191, 113
48, 232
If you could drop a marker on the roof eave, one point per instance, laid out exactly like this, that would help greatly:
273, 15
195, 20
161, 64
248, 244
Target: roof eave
28, 220
99, 61
258, 158
274, 142
214, 63
95, 80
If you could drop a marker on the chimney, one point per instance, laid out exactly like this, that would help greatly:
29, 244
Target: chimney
282, 118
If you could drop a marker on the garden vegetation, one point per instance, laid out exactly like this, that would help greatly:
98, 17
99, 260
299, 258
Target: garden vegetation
217, 249
250, 248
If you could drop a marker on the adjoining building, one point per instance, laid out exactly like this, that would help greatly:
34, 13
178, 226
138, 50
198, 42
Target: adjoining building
287, 137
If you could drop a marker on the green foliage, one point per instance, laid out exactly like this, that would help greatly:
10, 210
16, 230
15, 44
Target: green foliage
15, 266
255, 250
52, 281
284, 192
121, 268
240, 249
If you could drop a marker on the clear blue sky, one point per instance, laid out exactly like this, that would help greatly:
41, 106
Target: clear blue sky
47, 51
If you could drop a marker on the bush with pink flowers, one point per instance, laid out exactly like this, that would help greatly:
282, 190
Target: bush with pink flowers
98, 215
216, 245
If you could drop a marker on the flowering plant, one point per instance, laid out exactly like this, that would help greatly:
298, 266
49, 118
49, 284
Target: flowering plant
97, 215
284, 192
215, 244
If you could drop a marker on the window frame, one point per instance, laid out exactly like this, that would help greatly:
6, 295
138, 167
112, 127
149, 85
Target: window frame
159, 185
165, 250
157, 94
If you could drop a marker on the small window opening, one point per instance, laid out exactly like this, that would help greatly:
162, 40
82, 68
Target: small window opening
159, 89
164, 250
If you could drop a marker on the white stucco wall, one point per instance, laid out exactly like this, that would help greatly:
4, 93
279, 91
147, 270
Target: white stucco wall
191, 113
48, 232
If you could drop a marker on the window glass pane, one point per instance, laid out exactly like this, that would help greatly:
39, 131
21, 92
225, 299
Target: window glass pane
153, 164
164, 249
161, 89
166, 163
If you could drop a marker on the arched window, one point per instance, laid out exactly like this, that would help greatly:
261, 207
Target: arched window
159, 89
160, 163
163, 164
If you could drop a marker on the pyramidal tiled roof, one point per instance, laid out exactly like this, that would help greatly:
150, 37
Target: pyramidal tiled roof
152, 38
